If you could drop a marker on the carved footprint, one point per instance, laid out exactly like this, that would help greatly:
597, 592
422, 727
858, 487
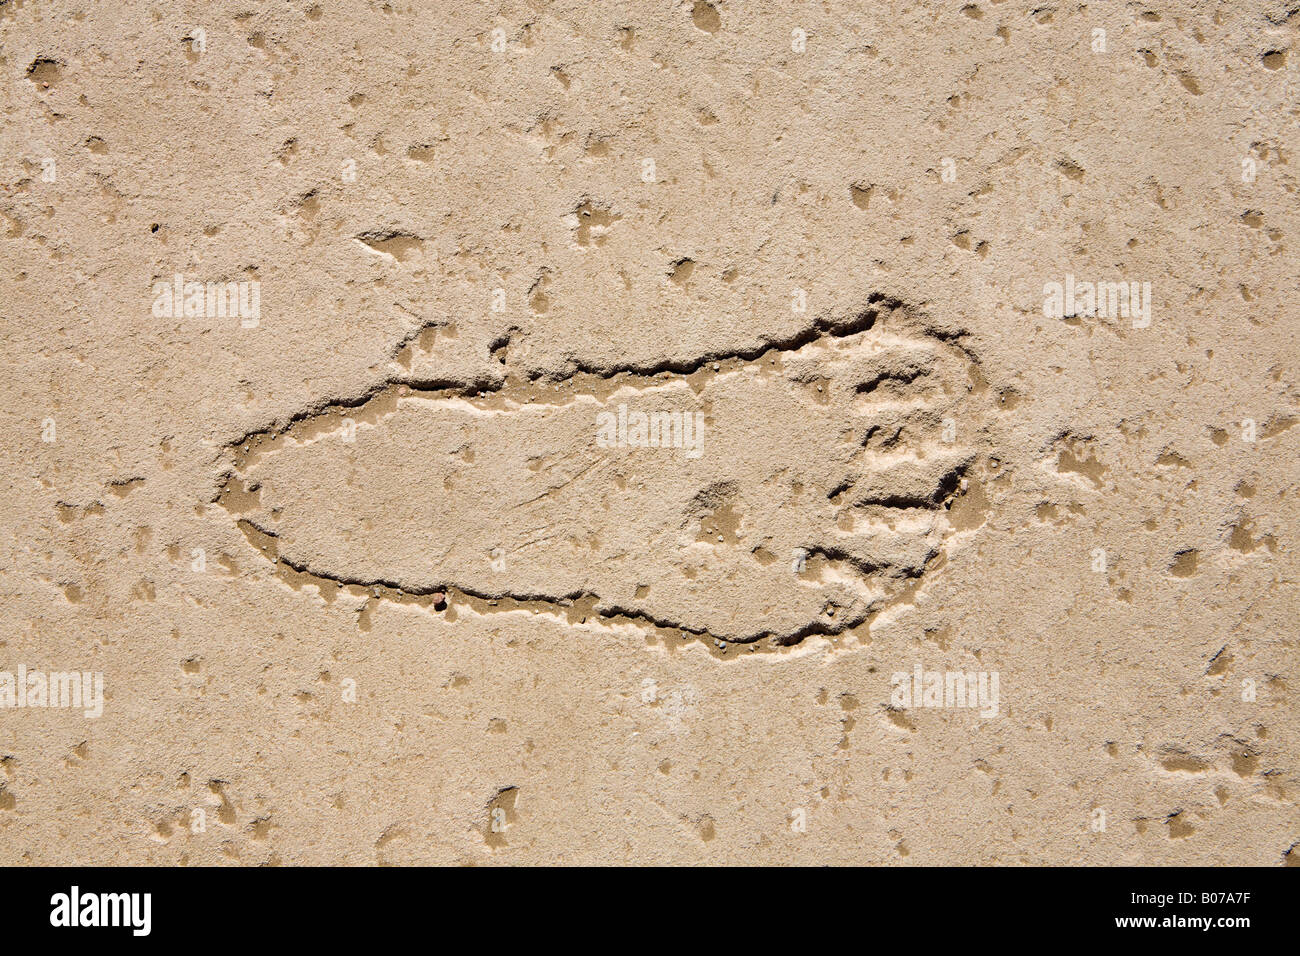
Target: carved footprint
762, 498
